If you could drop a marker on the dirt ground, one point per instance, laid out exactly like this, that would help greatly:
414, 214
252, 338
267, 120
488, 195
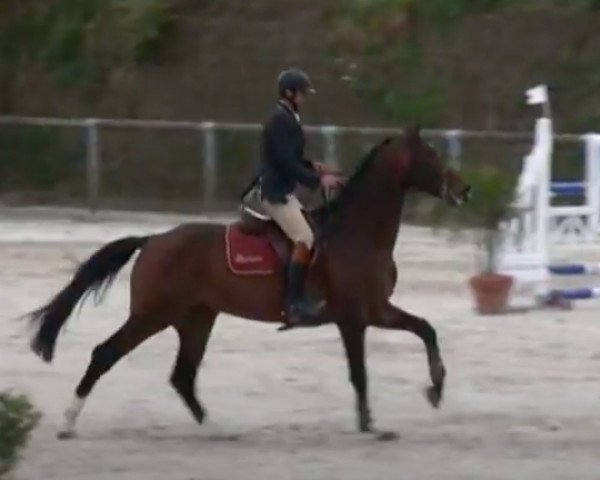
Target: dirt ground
522, 399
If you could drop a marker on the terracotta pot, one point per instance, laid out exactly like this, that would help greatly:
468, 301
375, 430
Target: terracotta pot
491, 292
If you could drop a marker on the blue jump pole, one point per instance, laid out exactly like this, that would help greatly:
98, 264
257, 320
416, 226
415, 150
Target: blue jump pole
569, 189
575, 269
575, 293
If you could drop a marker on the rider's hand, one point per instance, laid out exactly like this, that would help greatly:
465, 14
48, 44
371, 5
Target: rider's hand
331, 181
324, 169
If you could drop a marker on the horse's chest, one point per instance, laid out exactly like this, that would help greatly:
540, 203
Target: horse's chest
359, 276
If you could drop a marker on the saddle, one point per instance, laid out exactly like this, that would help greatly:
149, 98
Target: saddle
255, 243
257, 246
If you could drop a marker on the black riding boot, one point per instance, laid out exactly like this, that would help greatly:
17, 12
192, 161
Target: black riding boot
300, 310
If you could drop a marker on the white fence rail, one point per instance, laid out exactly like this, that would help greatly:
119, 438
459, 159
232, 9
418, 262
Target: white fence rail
209, 154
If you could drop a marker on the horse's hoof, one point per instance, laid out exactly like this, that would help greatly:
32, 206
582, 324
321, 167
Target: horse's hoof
434, 395
65, 435
364, 426
387, 436
200, 417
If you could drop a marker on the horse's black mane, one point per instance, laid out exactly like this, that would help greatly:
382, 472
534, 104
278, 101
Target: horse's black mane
356, 179
331, 210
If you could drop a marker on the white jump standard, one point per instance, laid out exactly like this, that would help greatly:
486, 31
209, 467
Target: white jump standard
527, 236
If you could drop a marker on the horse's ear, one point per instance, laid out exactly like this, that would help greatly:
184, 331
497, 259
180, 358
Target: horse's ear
413, 134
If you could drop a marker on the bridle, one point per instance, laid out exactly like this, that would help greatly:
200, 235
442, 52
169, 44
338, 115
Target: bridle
444, 189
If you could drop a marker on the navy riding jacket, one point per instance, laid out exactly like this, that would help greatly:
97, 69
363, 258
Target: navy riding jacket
283, 165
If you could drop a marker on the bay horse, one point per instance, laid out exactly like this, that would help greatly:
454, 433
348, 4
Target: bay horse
181, 279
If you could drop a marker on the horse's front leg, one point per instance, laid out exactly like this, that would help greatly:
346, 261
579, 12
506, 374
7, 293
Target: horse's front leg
353, 336
394, 318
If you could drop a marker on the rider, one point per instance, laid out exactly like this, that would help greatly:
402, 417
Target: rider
284, 166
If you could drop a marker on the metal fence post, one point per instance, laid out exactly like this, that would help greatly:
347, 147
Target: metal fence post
454, 146
92, 163
210, 162
329, 133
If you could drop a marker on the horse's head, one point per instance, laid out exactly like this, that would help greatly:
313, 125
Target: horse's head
421, 168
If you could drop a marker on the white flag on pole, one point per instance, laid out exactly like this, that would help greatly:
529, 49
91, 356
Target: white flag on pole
537, 95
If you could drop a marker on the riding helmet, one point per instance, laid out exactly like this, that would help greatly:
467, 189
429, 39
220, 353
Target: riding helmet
294, 80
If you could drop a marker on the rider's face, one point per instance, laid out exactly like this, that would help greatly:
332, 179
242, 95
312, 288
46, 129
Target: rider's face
299, 98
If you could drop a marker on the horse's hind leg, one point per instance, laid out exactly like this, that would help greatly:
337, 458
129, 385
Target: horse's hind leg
194, 332
135, 330
395, 318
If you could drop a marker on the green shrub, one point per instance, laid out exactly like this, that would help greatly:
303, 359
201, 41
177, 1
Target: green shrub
17, 419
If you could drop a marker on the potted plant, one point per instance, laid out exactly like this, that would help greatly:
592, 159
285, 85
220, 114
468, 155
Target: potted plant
493, 194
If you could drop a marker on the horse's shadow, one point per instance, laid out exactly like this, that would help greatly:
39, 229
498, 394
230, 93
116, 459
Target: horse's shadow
310, 434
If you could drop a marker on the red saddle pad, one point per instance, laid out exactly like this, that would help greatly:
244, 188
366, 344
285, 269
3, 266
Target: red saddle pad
249, 254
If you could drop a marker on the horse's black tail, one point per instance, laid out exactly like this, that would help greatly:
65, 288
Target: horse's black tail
94, 275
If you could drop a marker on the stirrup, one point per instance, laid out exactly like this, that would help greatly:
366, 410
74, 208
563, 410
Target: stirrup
300, 320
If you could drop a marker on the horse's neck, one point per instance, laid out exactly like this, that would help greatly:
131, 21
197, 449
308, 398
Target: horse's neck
371, 219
